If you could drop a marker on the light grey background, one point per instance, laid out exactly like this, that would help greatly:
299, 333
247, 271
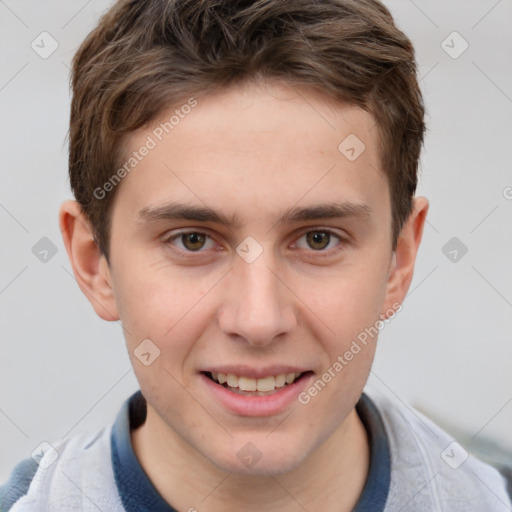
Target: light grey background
449, 352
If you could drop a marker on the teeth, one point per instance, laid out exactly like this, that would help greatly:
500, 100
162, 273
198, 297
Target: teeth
247, 384
280, 380
269, 383
290, 377
265, 384
232, 380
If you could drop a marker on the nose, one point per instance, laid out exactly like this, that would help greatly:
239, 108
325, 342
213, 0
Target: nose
257, 303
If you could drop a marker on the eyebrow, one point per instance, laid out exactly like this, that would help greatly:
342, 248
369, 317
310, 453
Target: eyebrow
182, 211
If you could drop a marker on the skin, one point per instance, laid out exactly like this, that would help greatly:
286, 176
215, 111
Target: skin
253, 152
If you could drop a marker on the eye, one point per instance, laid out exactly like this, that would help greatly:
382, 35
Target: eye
319, 240
192, 241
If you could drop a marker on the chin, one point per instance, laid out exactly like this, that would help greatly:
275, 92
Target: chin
250, 460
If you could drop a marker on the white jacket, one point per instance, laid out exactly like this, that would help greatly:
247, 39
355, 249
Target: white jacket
430, 472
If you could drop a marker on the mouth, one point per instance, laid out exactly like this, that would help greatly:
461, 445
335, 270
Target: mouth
249, 386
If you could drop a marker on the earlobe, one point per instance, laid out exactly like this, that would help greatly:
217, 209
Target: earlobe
89, 265
404, 256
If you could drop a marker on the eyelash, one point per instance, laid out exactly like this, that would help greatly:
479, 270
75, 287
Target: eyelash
185, 253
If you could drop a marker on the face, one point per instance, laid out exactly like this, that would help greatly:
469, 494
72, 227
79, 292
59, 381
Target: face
247, 244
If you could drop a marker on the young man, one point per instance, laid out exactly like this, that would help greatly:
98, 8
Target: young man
244, 175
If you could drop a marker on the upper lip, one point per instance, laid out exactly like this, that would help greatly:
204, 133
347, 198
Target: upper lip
256, 373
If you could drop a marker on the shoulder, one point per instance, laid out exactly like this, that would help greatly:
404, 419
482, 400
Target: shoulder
430, 470
17, 485
60, 473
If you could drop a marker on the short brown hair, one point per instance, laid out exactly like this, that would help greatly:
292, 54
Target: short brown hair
147, 55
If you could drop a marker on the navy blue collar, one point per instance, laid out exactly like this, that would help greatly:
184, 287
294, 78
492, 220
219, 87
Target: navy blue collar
138, 494
376, 489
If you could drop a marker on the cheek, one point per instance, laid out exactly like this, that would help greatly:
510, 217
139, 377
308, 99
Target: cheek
152, 298
347, 302
170, 310
351, 310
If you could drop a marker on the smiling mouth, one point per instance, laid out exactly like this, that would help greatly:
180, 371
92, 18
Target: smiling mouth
255, 387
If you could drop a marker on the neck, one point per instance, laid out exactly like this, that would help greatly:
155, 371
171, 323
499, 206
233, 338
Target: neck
331, 479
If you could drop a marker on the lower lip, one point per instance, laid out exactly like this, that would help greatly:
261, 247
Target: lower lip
246, 405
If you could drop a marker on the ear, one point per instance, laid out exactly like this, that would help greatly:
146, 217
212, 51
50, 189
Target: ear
89, 265
404, 257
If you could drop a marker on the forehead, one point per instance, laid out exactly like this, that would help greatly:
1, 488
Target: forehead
253, 145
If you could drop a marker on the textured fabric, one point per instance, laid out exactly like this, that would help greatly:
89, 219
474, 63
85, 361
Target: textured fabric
428, 470
79, 479
21, 477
